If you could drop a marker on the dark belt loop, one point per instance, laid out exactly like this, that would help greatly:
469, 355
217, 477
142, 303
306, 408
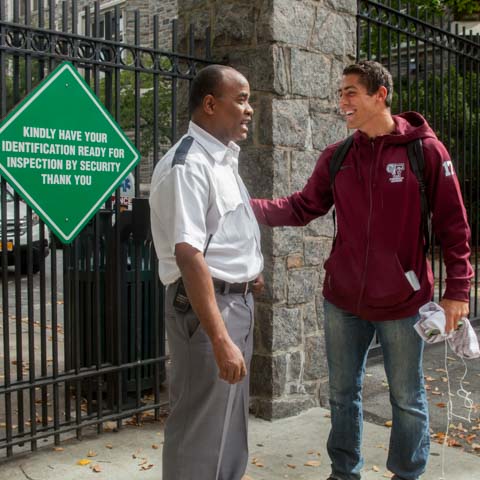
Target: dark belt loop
226, 288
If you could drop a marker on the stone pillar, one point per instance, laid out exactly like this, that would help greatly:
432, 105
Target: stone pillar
292, 52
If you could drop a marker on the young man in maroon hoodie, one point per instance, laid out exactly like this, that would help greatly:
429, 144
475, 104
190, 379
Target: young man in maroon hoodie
377, 275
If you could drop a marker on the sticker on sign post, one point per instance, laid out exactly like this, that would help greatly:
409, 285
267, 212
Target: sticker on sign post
63, 152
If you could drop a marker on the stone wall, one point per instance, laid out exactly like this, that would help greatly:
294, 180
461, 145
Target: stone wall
292, 52
165, 9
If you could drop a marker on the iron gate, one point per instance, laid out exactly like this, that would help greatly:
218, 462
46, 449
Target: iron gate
83, 339
436, 71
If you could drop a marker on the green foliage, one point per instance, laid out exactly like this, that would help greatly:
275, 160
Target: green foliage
440, 84
445, 98
457, 7
128, 104
16, 81
450, 102
145, 105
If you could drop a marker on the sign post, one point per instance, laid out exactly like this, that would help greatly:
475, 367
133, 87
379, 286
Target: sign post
64, 153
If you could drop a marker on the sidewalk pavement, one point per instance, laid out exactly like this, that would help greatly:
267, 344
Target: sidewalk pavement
292, 448
281, 449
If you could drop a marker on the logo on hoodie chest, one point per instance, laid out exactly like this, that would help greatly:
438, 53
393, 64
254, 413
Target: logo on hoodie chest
396, 170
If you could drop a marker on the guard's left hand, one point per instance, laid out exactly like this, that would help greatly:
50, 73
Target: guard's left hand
454, 311
258, 285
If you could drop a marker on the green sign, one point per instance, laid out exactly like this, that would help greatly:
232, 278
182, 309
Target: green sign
63, 152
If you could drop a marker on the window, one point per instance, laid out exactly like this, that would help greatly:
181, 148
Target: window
108, 7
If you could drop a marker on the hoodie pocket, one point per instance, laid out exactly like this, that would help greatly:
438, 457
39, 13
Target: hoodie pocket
386, 284
343, 273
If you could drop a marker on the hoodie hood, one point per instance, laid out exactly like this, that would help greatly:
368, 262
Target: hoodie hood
408, 126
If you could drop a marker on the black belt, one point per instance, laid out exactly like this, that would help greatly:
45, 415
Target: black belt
224, 287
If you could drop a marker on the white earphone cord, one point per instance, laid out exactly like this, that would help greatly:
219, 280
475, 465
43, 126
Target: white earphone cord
467, 403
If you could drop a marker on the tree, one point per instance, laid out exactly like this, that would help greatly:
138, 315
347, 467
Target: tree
435, 74
456, 7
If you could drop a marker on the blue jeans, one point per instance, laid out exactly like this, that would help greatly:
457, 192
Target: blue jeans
348, 338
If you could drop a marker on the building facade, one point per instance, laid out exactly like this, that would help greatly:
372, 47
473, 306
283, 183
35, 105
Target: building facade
165, 9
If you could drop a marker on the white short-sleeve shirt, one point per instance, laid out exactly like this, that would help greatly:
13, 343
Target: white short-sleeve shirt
196, 192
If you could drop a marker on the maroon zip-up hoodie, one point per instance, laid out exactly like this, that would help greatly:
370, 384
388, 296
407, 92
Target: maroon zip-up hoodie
380, 238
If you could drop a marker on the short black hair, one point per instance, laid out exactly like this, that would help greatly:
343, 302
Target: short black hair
372, 76
206, 82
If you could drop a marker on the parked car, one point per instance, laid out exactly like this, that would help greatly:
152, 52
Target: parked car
39, 249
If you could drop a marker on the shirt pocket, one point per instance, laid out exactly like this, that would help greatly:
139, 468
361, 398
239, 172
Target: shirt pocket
228, 196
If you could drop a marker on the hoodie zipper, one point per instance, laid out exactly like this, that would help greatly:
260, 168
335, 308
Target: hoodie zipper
370, 209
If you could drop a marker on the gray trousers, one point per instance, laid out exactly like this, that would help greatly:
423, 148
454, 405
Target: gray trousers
206, 431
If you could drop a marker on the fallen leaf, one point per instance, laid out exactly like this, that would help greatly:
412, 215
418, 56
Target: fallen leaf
291, 465
387, 474
453, 443
441, 405
470, 438
476, 446
136, 453
133, 421
147, 467
310, 452
97, 468
375, 468
155, 447
58, 449
461, 427
388, 423
109, 446
428, 378
84, 461
91, 453
109, 426
312, 463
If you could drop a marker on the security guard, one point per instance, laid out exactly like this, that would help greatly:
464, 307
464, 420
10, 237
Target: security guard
208, 245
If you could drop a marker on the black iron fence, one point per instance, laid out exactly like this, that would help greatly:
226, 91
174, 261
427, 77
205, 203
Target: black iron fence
436, 71
81, 325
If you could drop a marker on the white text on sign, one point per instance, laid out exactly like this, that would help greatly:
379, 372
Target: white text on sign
69, 135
